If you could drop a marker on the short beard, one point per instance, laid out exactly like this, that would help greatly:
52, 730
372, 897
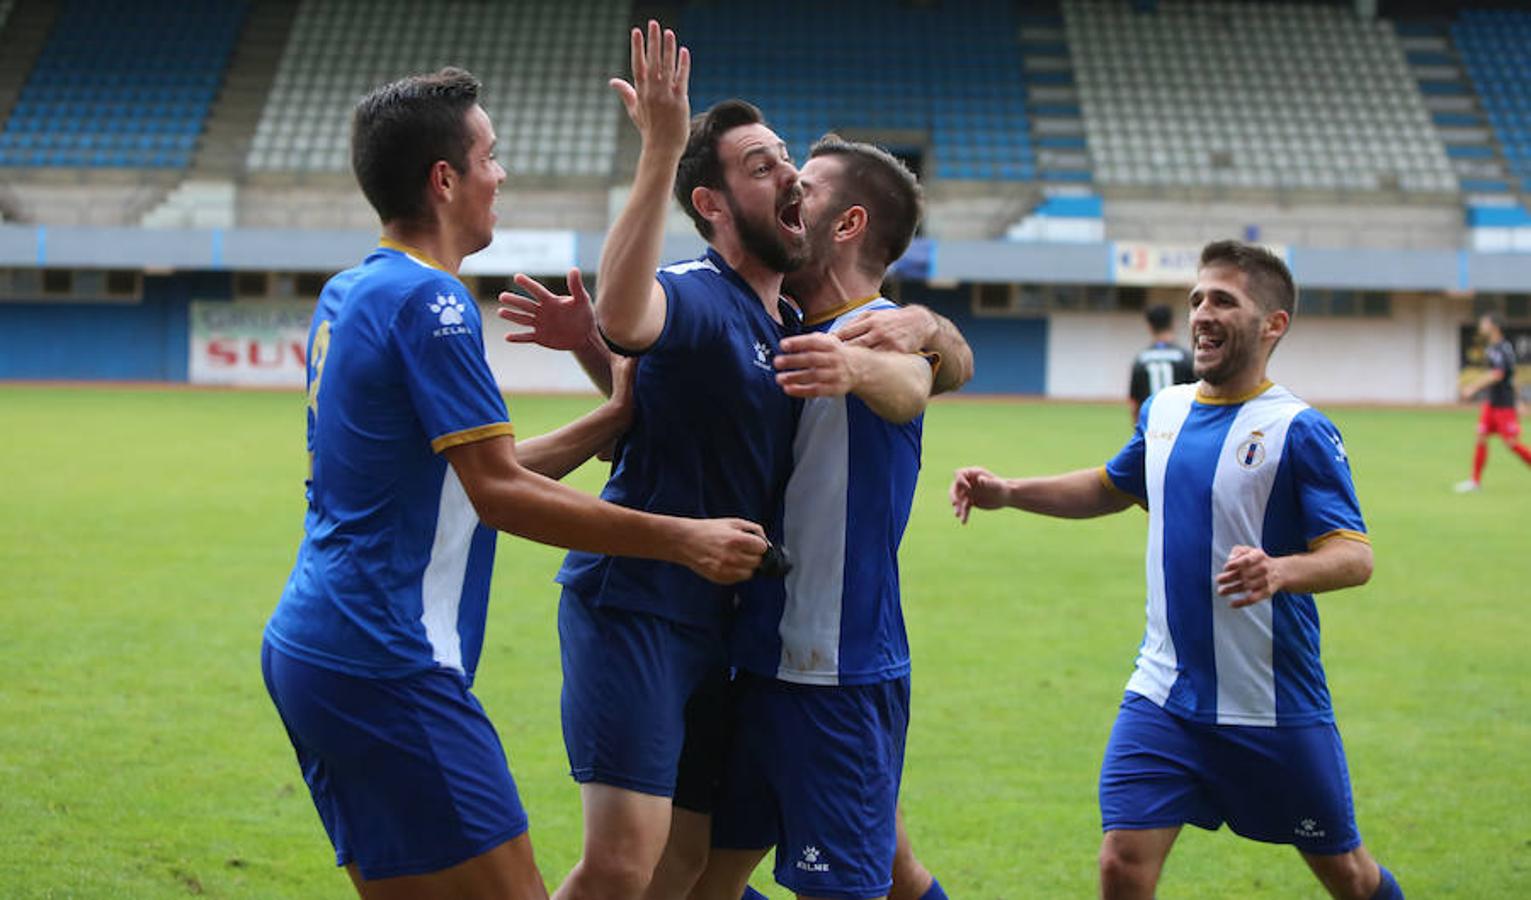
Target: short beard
764, 243
1239, 349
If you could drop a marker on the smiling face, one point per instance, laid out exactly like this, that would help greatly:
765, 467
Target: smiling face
761, 190
1231, 333
472, 205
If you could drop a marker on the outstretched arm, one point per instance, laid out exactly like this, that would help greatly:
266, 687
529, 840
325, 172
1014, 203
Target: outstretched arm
1077, 495
911, 329
895, 386
509, 497
559, 322
631, 307
1251, 576
1492, 376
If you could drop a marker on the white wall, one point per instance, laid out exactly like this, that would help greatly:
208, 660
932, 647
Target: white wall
1410, 357
527, 368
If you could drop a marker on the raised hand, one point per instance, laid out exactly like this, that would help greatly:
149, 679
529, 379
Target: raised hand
724, 551
557, 321
975, 487
657, 99
904, 330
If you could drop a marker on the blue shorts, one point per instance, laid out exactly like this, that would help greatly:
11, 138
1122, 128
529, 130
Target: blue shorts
408, 774
627, 680
814, 770
1285, 785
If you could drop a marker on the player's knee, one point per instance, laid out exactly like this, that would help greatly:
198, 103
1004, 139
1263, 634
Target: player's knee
614, 876
910, 878
1122, 874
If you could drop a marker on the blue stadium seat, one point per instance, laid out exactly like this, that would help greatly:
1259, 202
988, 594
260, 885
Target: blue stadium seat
110, 69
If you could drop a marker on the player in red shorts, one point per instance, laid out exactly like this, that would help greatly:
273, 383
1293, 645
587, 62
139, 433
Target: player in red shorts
1499, 408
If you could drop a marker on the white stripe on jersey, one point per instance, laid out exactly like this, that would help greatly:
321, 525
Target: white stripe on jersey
1242, 639
814, 527
441, 586
1157, 662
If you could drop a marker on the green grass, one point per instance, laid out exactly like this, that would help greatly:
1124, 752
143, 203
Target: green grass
145, 535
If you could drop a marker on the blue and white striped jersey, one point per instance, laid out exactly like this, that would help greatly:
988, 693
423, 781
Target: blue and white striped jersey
1266, 471
392, 576
836, 618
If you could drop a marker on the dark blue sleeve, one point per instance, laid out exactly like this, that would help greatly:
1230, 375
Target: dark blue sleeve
440, 341
1321, 469
691, 312
1125, 470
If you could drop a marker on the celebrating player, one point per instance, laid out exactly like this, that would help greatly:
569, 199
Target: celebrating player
1498, 416
1251, 511
711, 432
371, 652
1159, 365
822, 698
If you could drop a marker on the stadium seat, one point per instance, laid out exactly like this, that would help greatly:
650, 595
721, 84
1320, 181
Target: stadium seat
544, 64
1224, 94
877, 67
1494, 46
106, 67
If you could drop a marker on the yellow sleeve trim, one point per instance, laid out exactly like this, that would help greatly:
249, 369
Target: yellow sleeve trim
469, 435
1105, 479
1343, 534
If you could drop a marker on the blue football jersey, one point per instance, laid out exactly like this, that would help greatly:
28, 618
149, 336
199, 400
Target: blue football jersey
711, 436
392, 575
1268, 472
837, 617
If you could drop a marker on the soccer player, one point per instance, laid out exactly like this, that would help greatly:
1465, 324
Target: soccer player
822, 696
370, 654
711, 433
1162, 363
1498, 416
1251, 511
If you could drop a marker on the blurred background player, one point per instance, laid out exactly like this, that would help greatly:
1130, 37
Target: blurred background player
1251, 511
1162, 363
370, 654
711, 431
1499, 405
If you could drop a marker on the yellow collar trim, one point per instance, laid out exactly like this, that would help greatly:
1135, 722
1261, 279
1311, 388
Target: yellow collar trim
842, 309
404, 248
1264, 386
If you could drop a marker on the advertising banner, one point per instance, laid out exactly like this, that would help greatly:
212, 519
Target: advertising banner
1162, 264
521, 250
251, 343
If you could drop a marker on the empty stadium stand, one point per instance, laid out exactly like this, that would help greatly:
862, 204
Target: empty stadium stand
904, 74
544, 64
1495, 49
1267, 97
121, 86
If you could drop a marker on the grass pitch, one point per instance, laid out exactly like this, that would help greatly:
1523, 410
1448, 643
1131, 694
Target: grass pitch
145, 535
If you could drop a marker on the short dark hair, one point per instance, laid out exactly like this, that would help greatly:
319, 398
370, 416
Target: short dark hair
1270, 281
877, 180
1158, 317
400, 130
700, 165
1495, 319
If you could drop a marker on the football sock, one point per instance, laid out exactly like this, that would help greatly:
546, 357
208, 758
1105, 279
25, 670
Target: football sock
1521, 451
1388, 888
935, 892
752, 894
1480, 456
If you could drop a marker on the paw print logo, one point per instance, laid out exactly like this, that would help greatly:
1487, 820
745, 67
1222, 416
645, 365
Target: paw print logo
448, 308
1309, 824
811, 854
